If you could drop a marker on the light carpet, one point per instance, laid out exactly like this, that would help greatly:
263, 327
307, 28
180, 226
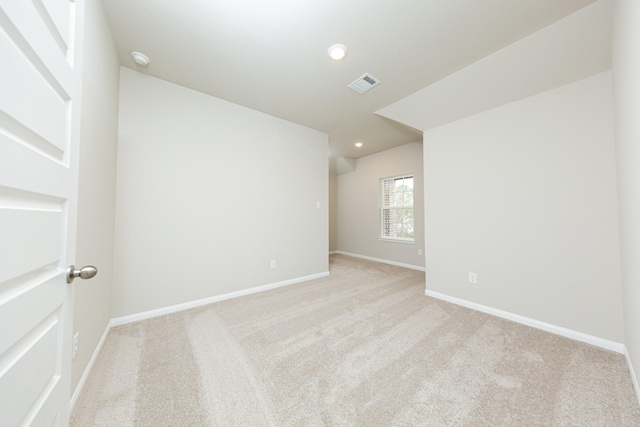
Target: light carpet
362, 347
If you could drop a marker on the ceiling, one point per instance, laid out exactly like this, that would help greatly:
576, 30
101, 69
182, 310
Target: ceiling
271, 55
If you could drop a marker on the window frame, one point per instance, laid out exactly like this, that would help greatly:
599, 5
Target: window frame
383, 208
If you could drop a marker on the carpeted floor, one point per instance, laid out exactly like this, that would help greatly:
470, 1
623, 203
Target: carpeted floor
363, 347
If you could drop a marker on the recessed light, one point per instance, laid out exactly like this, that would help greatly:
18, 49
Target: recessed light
140, 58
358, 144
337, 52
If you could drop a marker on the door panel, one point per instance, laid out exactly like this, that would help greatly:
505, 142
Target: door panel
34, 373
39, 86
29, 99
36, 74
31, 238
28, 20
40, 294
56, 14
14, 177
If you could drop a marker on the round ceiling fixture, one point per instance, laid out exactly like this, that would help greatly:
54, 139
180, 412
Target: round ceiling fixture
358, 144
337, 52
140, 58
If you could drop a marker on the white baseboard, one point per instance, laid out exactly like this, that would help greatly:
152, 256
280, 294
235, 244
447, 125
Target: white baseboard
558, 330
634, 379
197, 303
384, 261
333, 252
87, 371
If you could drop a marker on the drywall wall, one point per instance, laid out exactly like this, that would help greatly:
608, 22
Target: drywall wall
208, 193
626, 93
359, 205
524, 196
97, 185
573, 48
333, 212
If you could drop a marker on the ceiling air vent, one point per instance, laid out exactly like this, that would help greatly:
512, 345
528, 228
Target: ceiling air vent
364, 83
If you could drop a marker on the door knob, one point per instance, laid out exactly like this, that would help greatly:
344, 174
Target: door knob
86, 272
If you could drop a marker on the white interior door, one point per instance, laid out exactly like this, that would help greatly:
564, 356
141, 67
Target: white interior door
39, 130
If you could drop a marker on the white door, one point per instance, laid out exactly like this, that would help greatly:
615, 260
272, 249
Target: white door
39, 129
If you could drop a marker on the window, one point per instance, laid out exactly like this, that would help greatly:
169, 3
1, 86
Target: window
396, 208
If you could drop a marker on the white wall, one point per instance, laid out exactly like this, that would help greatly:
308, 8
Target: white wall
97, 184
626, 91
524, 195
358, 204
208, 193
333, 212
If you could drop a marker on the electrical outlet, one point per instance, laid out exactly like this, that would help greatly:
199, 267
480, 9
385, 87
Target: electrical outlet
75, 345
273, 264
473, 278
419, 252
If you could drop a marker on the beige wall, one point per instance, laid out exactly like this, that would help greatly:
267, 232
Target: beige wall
524, 195
626, 85
96, 201
208, 193
358, 204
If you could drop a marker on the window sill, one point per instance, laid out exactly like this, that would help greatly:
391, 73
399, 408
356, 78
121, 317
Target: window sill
406, 241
